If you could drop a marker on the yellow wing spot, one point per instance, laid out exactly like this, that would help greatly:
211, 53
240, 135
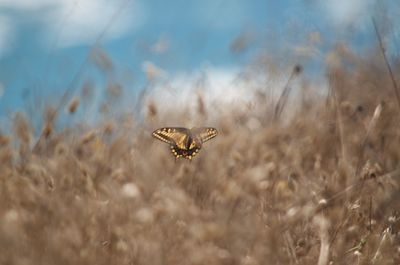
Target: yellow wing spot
160, 138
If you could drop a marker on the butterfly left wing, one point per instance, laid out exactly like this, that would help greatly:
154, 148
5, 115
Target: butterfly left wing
172, 135
205, 133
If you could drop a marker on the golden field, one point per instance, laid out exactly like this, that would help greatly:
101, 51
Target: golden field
311, 178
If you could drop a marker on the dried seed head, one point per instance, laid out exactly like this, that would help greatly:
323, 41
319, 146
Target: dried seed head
4, 140
22, 128
88, 137
108, 128
73, 105
130, 190
114, 90
101, 59
322, 202
47, 130
152, 109
87, 91
61, 149
50, 115
297, 69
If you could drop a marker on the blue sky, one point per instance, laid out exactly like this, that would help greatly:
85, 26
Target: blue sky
45, 43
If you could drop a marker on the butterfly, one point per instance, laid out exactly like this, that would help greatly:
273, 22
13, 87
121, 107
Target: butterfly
185, 142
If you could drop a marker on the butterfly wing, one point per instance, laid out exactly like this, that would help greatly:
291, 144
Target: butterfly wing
184, 142
206, 133
176, 151
175, 136
189, 154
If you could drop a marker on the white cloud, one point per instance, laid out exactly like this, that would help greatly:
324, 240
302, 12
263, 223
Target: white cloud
26, 4
6, 34
70, 23
224, 90
153, 71
85, 20
216, 85
343, 13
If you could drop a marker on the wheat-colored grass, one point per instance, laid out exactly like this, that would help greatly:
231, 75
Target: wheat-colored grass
318, 185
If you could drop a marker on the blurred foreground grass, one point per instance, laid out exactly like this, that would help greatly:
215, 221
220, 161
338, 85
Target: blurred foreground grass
320, 183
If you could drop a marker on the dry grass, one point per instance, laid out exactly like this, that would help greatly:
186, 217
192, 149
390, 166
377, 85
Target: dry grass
315, 186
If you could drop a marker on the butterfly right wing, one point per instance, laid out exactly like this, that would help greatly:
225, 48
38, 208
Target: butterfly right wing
206, 133
175, 136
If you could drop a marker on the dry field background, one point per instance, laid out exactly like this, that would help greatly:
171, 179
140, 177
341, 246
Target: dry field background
317, 184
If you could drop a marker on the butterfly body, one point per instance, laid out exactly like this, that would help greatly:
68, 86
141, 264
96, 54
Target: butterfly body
185, 142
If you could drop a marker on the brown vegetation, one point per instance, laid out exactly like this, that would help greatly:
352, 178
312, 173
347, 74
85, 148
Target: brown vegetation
315, 186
